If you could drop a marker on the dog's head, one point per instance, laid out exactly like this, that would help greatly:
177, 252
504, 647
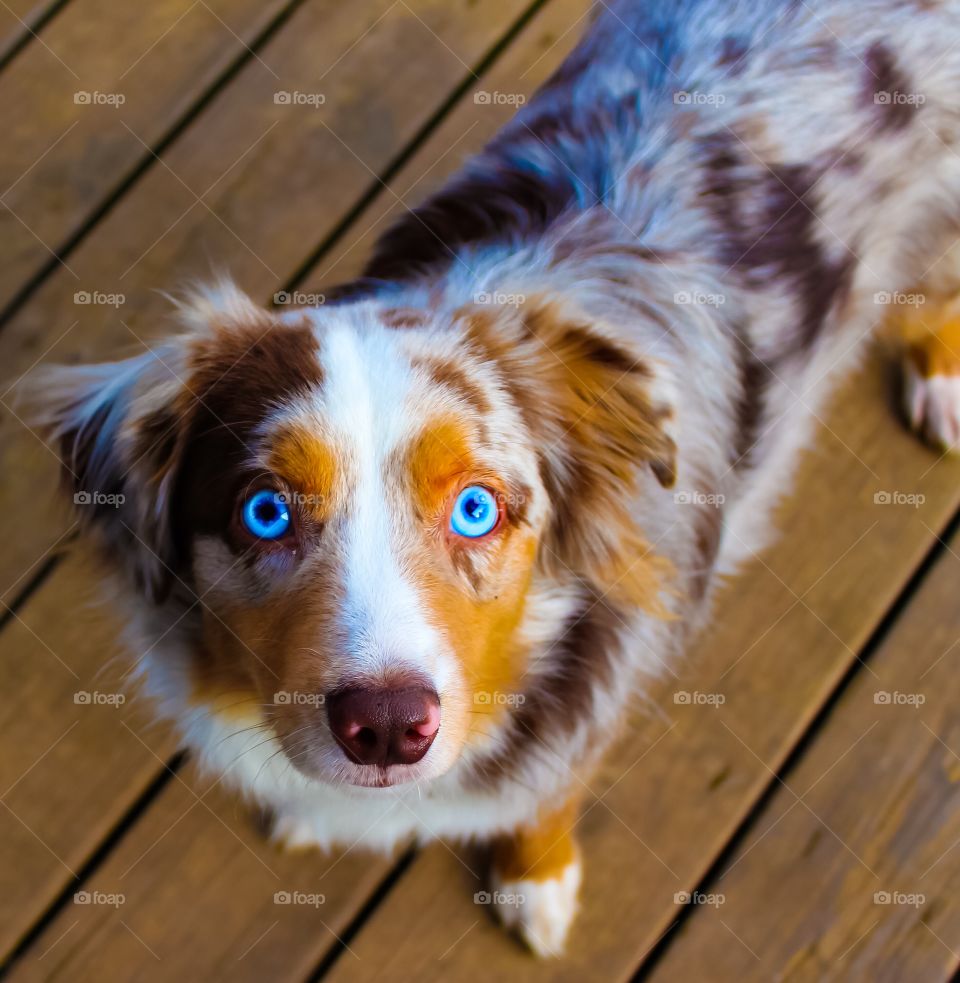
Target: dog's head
359, 506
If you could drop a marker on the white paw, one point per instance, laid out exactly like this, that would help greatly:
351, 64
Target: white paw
933, 406
540, 912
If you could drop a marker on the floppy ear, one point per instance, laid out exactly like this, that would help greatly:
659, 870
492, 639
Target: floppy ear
590, 404
152, 446
119, 442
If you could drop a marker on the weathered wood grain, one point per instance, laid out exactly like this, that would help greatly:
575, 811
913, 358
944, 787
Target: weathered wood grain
197, 895
65, 150
69, 765
851, 870
20, 20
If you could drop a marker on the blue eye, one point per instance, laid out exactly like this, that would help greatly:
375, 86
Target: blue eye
266, 515
475, 512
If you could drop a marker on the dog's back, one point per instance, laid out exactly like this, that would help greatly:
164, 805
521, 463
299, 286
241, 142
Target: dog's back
790, 165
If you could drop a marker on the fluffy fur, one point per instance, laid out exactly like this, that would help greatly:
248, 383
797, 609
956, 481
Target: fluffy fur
621, 317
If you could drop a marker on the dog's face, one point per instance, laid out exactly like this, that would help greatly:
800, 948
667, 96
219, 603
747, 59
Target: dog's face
362, 504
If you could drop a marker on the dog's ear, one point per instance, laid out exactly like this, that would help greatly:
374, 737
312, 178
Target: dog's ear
118, 437
594, 410
152, 446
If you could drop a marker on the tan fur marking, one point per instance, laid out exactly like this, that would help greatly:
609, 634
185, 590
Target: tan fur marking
438, 458
565, 374
541, 852
309, 465
931, 332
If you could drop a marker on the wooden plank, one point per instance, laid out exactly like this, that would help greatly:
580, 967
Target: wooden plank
252, 185
20, 20
534, 48
197, 895
69, 764
851, 870
668, 801
63, 157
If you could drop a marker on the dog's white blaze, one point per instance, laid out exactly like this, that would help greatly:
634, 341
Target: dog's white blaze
384, 614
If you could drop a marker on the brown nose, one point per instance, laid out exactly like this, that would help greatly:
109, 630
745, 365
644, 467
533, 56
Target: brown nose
384, 726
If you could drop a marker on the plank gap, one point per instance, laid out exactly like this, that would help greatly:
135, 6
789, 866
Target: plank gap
362, 916
30, 29
246, 54
422, 135
127, 820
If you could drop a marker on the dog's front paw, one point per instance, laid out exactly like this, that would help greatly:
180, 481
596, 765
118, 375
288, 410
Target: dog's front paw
932, 404
540, 911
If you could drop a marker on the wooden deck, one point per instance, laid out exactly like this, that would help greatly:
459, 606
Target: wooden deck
814, 812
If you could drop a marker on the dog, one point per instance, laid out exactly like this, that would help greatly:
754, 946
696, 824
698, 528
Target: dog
400, 565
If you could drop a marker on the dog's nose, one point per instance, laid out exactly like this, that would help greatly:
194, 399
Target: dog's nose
384, 726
